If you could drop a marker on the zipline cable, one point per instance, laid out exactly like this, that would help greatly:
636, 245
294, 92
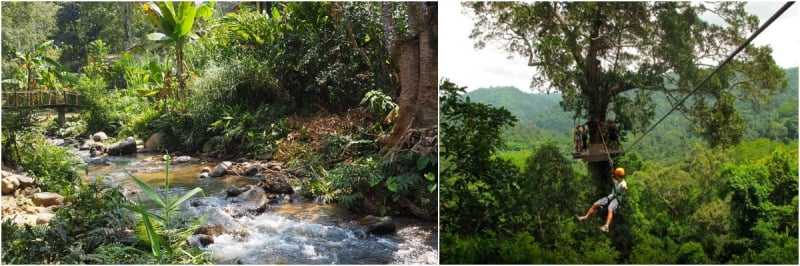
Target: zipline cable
719, 67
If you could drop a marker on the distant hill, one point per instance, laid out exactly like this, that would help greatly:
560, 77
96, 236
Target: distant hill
539, 110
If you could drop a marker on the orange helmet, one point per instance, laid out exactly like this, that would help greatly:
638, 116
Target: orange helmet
619, 172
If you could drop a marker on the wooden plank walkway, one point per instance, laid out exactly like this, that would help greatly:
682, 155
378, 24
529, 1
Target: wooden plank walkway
597, 153
59, 100
40, 99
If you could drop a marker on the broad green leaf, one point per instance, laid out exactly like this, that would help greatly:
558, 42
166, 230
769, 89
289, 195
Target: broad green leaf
148, 190
375, 180
276, 15
168, 21
432, 188
177, 202
157, 36
422, 162
185, 18
145, 92
155, 239
140, 210
430, 176
391, 184
205, 10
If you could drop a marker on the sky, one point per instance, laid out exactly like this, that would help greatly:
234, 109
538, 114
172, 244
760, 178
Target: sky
467, 66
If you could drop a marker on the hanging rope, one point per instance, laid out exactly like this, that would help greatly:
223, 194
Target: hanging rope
605, 147
719, 67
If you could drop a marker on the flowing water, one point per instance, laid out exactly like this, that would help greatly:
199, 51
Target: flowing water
294, 231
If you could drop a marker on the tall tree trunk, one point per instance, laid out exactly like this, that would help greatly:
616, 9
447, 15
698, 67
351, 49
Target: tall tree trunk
406, 55
427, 107
387, 23
126, 24
416, 58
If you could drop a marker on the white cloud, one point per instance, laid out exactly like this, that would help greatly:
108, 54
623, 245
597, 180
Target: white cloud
467, 66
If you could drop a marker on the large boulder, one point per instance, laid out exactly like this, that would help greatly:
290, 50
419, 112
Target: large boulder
10, 184
276, 185
46, 199
221, 169
247, 199
123, 148
25, 181
154, 142
100, 136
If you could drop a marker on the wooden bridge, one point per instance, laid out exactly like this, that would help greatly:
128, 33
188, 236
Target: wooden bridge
59, 100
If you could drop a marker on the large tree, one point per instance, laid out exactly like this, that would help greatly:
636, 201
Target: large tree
610, 57
414, 52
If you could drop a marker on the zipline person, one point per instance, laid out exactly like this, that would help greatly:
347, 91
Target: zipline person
612, 200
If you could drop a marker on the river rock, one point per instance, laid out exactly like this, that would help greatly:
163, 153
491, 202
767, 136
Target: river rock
100, 136
252, 199
211, 230
123, 148
233, 192
44, 218
181, 159
47, 199
25, 181
221, 169
10, 184
379, 225
253, 170
201, 240
204, 173
276, 185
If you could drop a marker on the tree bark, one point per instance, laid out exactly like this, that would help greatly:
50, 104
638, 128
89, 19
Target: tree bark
427, 108
387, 23
416, 58
126, 25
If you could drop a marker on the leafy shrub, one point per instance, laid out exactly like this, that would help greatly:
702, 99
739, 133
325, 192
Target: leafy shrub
52, 166
90, 219
14, 124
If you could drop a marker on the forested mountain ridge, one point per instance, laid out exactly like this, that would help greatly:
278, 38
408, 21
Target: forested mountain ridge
541, 118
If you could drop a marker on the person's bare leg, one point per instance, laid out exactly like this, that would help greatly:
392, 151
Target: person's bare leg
588, 213
604, 228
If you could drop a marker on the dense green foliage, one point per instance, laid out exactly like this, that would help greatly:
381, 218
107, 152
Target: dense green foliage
542, 120
735, 204
308, 83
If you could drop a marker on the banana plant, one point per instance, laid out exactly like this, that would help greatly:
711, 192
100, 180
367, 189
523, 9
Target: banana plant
34, 64
176, 25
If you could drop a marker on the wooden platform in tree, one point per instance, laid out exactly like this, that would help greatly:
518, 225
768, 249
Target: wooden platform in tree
597, 153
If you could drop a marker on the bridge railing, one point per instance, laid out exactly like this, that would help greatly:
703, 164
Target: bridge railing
40, 98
